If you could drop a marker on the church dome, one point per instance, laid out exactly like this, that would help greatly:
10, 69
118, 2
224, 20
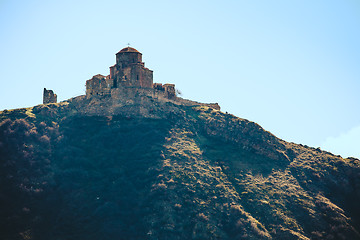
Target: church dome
128, 49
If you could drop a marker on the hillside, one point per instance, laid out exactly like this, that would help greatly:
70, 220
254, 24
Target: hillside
83, 169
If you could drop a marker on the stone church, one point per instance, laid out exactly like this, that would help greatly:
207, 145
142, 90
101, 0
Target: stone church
128, 80
128, 72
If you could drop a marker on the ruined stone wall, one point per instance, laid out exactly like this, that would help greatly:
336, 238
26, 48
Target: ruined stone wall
158, 86
49, 97
167, 90
98, 85
130, 93
170, 90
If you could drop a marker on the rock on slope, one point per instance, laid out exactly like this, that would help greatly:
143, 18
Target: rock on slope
165, 171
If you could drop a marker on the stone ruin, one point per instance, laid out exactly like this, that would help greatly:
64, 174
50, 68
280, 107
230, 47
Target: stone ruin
49, 97
128, 79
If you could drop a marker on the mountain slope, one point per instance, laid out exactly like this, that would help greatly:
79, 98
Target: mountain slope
158, 170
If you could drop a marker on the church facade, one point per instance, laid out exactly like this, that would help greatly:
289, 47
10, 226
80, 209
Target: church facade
128, 72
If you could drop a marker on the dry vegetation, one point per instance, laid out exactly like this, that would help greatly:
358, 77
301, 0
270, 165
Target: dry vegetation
188, 173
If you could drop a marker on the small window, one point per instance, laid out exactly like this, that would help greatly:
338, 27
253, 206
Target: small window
137, 77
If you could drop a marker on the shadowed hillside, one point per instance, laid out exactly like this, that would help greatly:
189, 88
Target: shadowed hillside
166, 171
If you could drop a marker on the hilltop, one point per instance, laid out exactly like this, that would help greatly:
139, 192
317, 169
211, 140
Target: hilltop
183, 172
132, 160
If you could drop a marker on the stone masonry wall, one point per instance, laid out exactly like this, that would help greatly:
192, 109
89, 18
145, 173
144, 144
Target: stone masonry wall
98, 85
49, 96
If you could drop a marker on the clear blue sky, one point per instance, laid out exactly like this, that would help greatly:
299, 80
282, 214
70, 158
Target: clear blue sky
291, 66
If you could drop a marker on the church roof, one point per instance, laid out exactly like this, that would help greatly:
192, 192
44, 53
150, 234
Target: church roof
128, 49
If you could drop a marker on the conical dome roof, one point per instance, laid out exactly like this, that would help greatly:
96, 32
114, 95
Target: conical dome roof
128, 49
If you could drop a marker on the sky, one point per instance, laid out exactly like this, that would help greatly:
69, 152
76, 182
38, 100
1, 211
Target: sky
290, 66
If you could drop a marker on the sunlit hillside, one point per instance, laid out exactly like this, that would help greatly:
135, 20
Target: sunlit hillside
181, 172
